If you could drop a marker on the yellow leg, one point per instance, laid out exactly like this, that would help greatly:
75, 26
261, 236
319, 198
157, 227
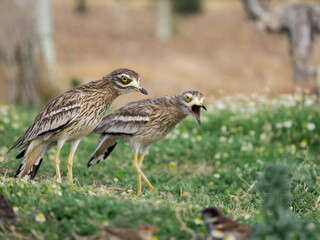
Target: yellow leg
139, 175
141, 159
139, 172
74, 145
57, 164
70, 163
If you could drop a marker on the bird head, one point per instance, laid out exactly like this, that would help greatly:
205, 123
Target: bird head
192, 103
126, 80
211, 212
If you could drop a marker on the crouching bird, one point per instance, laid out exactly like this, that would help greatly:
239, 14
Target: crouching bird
69, 118
222, 227
141, 232
142, 123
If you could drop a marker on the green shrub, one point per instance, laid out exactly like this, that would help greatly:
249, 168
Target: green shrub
187, 6
75, 82
277, 220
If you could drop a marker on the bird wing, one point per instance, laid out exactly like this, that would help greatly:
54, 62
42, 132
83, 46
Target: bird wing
52, 118
227, 224
127, 120
124, 233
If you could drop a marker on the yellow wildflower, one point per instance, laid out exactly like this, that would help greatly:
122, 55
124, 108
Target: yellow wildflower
303, 143
198, 221
172, 165
40, 217
280, 149
105, 223
185, 194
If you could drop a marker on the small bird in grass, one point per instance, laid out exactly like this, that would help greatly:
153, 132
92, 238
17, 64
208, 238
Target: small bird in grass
144, 122
7, 215
69, 118
221, 227
141, 232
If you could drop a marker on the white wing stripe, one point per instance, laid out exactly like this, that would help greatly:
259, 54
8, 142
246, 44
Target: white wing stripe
132, 118
64, 109
122, 129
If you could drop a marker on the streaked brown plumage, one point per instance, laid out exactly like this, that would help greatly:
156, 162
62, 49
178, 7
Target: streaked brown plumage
141, 232
7, 214
216, 221
69, 118
144, 122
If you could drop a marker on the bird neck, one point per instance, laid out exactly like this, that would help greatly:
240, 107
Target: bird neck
108, 92
179, 107
103, 91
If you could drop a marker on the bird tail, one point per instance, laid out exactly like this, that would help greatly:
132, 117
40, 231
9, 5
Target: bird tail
17, 144
32, 156
105, 146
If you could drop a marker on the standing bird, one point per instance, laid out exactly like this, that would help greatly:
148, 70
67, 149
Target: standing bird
69, 118
144, 122
220, 226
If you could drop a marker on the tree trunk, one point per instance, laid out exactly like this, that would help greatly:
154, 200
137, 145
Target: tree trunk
44, 26
164, 22
300, 21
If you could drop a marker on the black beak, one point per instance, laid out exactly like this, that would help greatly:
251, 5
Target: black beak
139, 88
204, 107
143, 91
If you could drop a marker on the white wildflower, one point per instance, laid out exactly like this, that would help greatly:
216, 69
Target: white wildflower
217, 156
303, 143
224, 128
185, 135
217, 233
198, 221
287, 124
40, 217
229, 237
15, 209
263, 136
217, 175
222, 139
246, 147
311, 126
252, 133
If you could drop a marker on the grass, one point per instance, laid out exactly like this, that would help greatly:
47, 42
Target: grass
219, 163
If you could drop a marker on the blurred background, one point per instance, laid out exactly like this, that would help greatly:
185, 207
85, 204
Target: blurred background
214, 46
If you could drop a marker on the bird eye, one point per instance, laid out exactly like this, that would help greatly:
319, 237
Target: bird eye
188, 99
124, 79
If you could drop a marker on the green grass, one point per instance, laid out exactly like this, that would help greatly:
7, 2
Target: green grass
219, 163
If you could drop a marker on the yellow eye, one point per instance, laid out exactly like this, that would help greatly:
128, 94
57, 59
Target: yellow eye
188, 99
124, 79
